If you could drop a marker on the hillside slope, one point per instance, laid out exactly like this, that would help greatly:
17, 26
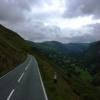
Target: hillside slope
12, 50
93, 56
73, 72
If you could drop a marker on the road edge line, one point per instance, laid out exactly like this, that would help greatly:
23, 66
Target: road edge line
44, 90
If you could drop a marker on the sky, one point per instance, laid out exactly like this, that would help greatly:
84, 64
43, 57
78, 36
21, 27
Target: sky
53, 20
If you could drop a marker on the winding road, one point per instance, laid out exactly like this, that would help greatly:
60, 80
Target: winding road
23, 83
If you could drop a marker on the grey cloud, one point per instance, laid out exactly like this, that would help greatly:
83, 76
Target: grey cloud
96, 31
83, 8
91, 36
82, 39
14, 10
38, 32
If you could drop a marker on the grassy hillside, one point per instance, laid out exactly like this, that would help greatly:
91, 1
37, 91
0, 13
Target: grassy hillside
12, 50
74, 77
93, 61
93, 57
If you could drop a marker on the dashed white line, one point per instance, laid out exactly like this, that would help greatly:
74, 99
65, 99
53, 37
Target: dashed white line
8, 98
20, 77
27, 65
26, 68
23, 72
11, 93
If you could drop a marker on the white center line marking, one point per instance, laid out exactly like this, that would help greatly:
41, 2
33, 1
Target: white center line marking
26, 68
28, 65
8, 98
20, 77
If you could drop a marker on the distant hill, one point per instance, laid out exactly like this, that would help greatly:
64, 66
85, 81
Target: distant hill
70, 49
77, 47
93, 56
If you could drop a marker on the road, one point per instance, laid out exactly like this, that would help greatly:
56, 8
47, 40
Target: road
23, 83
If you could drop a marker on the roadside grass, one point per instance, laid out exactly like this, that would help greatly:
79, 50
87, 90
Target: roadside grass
68, 87
59, 91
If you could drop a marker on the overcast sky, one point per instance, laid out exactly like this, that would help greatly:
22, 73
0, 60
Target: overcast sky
47, 20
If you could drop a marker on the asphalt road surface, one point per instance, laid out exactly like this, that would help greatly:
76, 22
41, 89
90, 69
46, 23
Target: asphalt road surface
23, 83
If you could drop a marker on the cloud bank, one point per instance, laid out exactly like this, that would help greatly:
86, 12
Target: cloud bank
47, 20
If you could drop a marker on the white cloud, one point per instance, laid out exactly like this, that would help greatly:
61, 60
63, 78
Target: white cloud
73, 23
